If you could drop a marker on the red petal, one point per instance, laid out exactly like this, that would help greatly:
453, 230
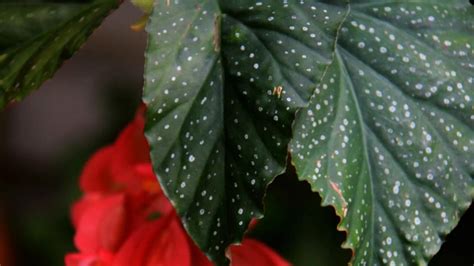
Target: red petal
83, 204
199, 258
102, 225
96, 176
131, 146
146, 198
78, 259
118, 160
252, 252
138, 178
159, 243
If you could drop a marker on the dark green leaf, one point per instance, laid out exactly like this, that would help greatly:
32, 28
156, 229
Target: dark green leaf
217, 125
388, 136
37, 36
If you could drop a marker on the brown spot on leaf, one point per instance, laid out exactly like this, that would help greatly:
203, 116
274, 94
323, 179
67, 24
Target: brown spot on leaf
336, 188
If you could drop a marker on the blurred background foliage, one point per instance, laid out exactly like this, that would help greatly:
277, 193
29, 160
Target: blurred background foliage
46, 139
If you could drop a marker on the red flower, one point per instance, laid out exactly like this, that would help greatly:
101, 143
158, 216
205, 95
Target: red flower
111, 169
252, 252
158, 243
124, 219
101, 258
102, 226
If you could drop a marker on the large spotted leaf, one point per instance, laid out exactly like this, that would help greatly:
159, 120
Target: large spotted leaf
223, 82
36, 36
388, 137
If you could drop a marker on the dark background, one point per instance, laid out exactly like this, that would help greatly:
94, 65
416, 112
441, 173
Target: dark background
46, 139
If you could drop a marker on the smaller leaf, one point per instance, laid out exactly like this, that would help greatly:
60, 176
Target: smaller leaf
35, 38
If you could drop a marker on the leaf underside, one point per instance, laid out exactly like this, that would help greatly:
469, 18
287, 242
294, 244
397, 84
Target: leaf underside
37, 36
224, 81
